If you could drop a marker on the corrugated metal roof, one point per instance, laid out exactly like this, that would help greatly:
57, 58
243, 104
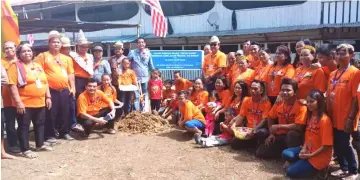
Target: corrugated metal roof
124, 39
260, 30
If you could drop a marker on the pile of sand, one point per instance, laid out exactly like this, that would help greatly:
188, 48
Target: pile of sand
140, 122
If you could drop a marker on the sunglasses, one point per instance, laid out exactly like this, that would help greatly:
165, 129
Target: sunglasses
238, 54
214, 44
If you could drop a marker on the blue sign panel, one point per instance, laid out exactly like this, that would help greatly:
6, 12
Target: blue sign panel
177, 60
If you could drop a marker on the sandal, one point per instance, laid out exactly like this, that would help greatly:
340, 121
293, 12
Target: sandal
111, 131
44, 148
29, 154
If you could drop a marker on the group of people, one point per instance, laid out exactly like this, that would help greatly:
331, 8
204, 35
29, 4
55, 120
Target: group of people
299, 109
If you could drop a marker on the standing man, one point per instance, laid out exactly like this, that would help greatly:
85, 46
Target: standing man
141, 63
60, 75
246, 47
207, 50
83, 63
101, 66
214, 64
8, 109
119, 55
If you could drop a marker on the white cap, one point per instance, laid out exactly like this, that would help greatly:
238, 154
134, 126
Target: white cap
54, 34
65, 41
214, 39
240, 52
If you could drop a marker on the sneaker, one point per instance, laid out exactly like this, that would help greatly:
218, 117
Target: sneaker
197, 138
78, 128
350, 177
44, 148
52, 141
15, 149
111, 131
339, 173
67, 137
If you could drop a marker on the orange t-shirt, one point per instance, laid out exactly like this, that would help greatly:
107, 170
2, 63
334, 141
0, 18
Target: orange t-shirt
91, 105
339, 105
5, 90
254, 112
224, 96
198, 98
247, 76
79, 71
56, 71
127, 77
110, 93
309, 79
30, 95
230, 72
167, 93
189, 111
214, 61
182, 85
261, 73
319, 134
288, 114
234, 104
275, 76
327, 71
254, 64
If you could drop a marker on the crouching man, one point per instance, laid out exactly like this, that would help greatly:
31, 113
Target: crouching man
91, 111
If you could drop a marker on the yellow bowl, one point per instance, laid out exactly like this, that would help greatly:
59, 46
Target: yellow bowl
242, 132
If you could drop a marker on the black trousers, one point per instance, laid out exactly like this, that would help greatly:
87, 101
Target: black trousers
89, 125
155, 104
37, 116
126, 99
9, 120
58, 116
80, 84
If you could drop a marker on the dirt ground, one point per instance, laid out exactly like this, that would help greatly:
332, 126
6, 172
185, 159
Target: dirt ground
168, 155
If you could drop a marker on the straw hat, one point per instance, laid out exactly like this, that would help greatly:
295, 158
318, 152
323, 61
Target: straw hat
81, 40
118, 45
214, 39
54, 34
98, 48
65, 41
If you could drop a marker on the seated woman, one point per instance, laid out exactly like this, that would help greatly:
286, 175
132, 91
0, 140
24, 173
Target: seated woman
226, 135
222, 94
316, 152
199, 96
254, 109
191, 117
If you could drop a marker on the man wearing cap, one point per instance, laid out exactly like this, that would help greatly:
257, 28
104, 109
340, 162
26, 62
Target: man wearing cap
83, 63
141, 63
214, 64
65, 49
119, 56
101, 66
9, 48
207, 49
60, 75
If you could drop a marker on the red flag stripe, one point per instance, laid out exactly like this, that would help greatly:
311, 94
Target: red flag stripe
158, 19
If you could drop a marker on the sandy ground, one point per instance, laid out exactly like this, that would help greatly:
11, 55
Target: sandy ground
167, 155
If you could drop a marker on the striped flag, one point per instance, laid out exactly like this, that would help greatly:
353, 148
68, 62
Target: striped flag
158, 19
9, 24
30, 38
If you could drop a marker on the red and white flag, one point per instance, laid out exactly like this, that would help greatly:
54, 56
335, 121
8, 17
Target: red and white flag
30, 38
158, 19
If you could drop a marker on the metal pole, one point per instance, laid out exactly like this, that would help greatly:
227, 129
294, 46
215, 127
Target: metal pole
108, 50
138, 31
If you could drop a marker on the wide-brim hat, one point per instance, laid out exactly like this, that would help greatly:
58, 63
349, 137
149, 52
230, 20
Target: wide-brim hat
54, 34
214, 39
65, 41
81, 40
118, 45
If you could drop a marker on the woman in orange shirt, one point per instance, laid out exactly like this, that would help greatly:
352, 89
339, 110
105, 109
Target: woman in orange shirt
126, 78
316, 152
241, 91
243, 73
307, 77
262, 70
298, 47
199, 97
326, 56
281, 69
30, 91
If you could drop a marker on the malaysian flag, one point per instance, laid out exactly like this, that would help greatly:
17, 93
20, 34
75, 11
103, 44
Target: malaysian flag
30, 38
158, 19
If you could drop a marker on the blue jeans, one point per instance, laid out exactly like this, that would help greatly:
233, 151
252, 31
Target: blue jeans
299, 168
138, 106
72, 112
344, 151
194, 124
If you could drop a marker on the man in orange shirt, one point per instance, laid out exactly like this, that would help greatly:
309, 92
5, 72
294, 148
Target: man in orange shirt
254, 61
342, 87
246, 47
83, 63
9, 110
291, 117
214, 64
326, 56
90, 109
59, 73
192, 118
181, 84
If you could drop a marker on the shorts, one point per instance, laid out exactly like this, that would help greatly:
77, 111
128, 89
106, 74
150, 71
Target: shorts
194, 124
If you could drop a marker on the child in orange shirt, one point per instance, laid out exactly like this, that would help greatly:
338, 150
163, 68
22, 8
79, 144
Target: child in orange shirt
172, 108
316, 152
110, 92
225, 137
127, 77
